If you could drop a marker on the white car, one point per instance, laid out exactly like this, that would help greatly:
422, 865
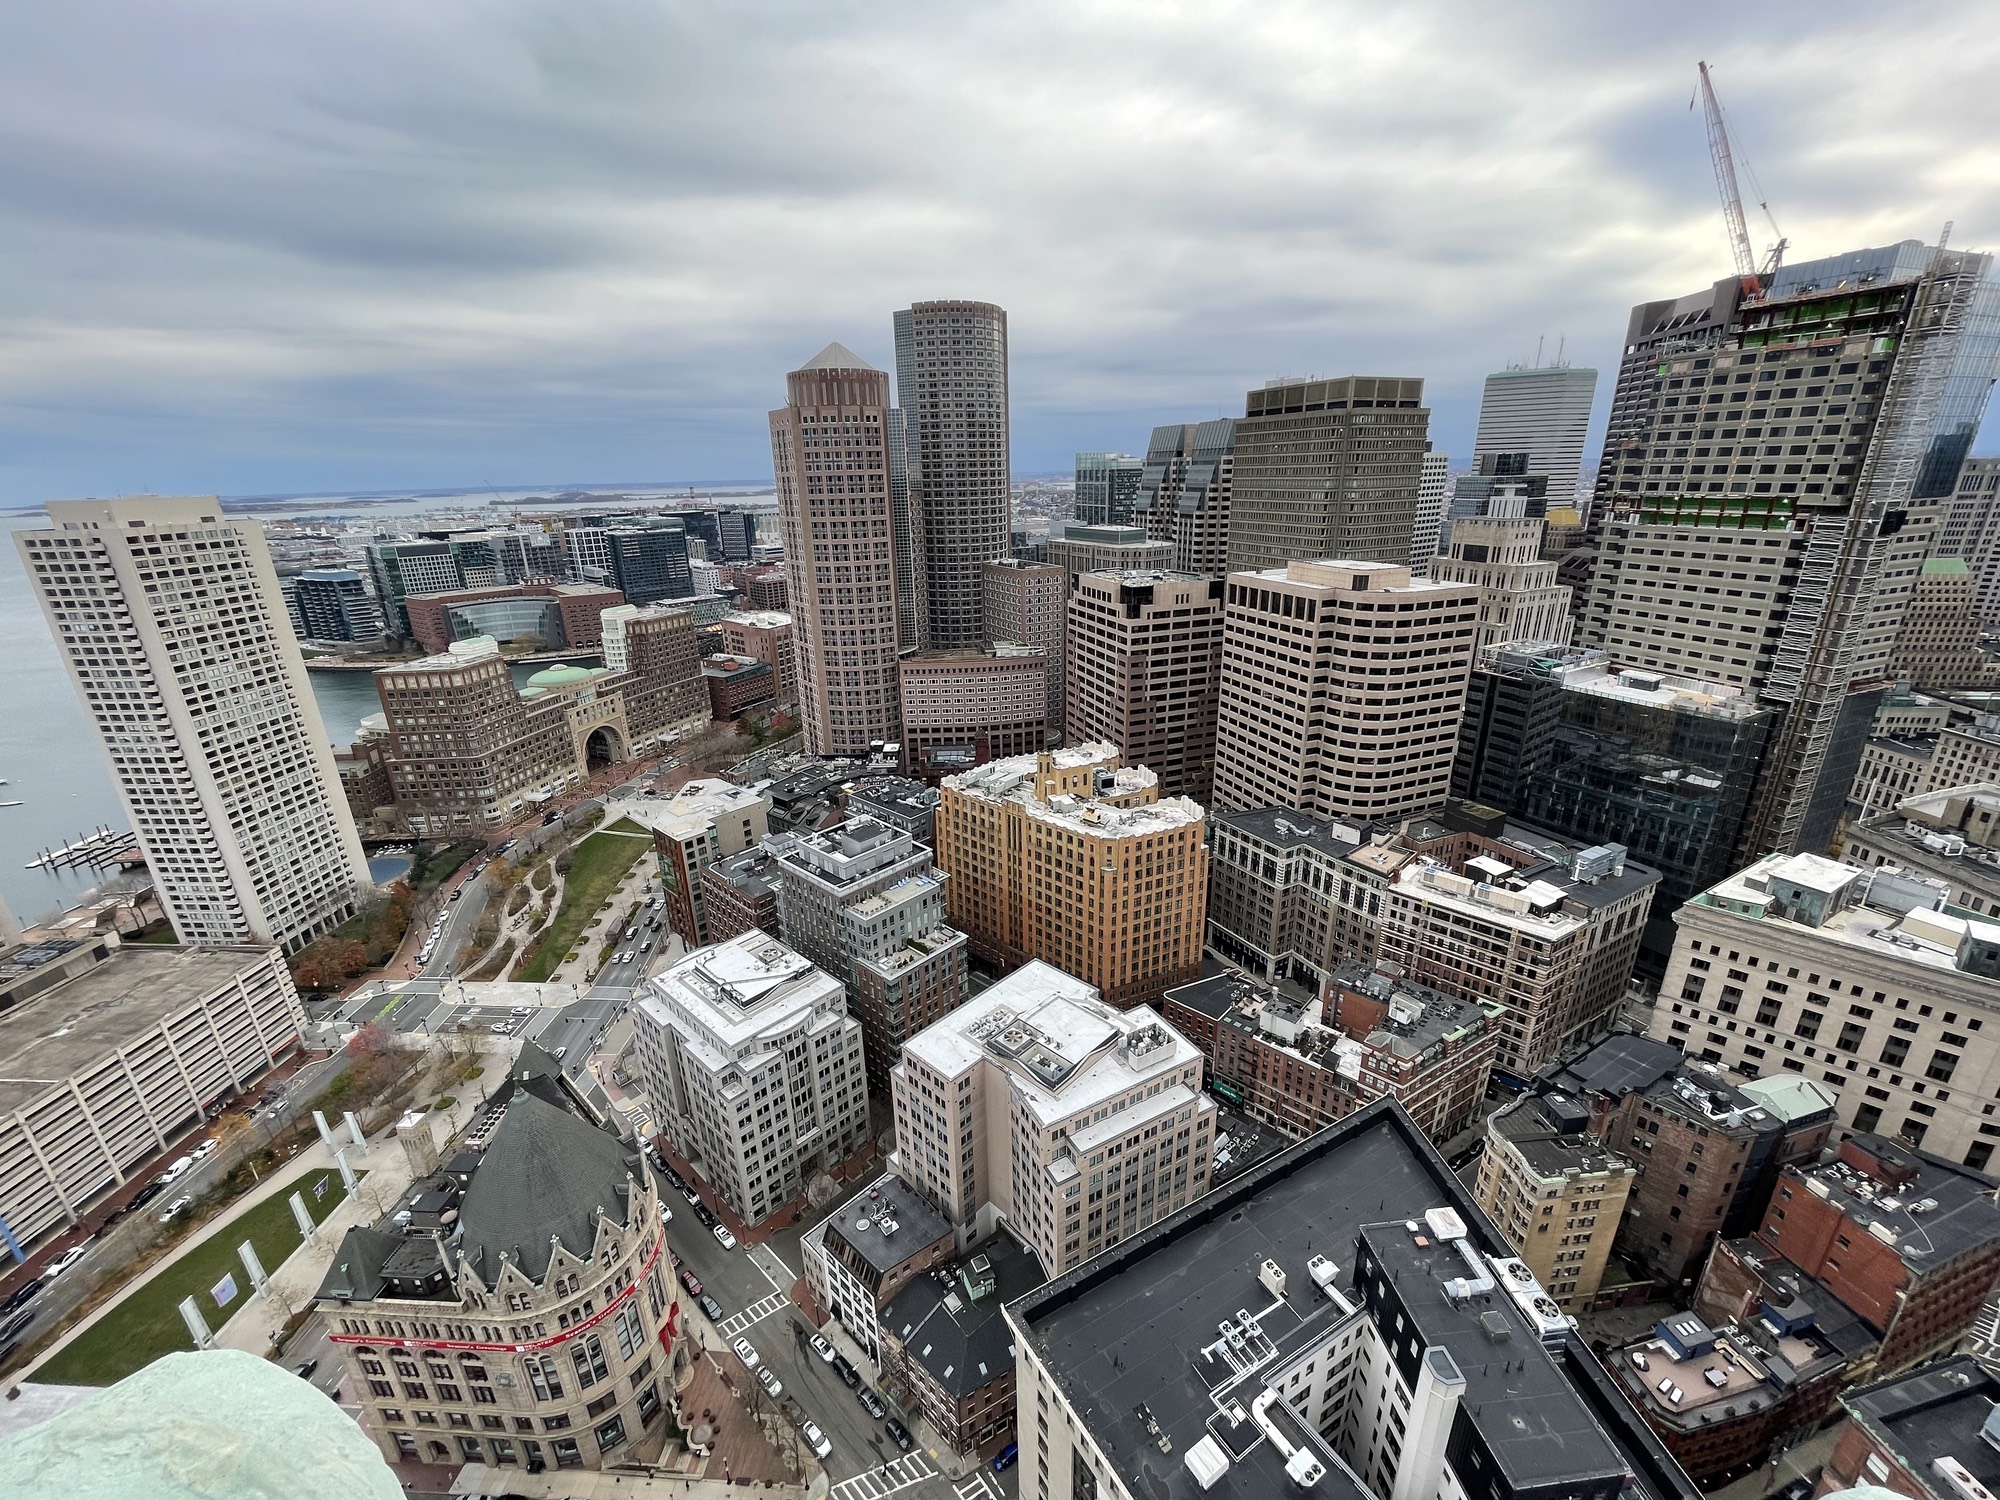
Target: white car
64, 1261
724, 1237
175, 1209
822, 1348
175, 1168
666, 1214
747, 1352
815, 1439
773, 1386
203, 1151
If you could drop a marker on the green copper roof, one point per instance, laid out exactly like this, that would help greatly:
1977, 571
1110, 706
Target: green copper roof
218, 1425
561, 676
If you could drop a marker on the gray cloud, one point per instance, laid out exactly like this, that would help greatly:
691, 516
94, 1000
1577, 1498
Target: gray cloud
246, 247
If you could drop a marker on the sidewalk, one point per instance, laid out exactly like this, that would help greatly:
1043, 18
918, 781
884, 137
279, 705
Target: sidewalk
295, 1282
313, 1158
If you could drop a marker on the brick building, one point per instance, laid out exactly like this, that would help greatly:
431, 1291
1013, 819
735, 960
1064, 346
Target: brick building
964, 708
553, 616
1906, 1241
737, 684
1708, 1147
706, 820
1298, 1064
740, 892
1927, 1434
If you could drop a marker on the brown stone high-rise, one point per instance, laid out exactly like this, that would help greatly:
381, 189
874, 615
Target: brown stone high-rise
829, 450
951, 384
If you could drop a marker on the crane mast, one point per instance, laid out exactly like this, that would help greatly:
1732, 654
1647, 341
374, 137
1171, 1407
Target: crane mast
1725, 185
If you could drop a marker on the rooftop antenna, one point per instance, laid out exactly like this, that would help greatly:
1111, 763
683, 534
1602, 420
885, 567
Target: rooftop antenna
1540, 338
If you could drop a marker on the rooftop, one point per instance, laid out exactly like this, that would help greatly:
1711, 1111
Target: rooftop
66, 1030
758, 619
544, 1177
886, 1223
1124, 1335
1288, 828
1941, 1410
1582, 670
1056, 1037
697, 804
754, 872
950, 1320
1549, 1132
1929, 1210
739, 990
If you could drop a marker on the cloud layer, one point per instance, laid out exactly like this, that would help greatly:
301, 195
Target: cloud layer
264, 248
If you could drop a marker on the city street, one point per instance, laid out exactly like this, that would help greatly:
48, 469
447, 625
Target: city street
753, 1286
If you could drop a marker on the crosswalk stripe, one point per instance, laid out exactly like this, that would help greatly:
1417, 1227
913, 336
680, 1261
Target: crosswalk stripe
875, 1484
752, 1315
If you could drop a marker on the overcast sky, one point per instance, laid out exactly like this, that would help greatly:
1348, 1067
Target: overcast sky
256, 248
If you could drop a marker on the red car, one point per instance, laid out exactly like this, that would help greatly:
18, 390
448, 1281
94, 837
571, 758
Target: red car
693, 1286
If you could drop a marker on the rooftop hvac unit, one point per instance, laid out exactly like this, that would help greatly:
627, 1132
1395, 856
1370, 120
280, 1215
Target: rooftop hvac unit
1271, 1276
1207, 1462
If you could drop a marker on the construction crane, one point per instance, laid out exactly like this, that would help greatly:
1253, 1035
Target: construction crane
1732, 198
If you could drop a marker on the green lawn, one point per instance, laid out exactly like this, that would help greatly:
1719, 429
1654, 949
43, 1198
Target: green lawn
601, 862
148, 1323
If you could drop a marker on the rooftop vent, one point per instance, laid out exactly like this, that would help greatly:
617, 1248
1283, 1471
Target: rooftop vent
1207, 1462
1271, 1276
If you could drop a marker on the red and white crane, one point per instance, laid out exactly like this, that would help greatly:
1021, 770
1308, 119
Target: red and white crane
1724, 159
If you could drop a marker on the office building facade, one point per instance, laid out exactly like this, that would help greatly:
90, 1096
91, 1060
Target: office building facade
1812, 446
1106, 485
1433, 496
170, 622
1078, 549
528, 616
1025, 606
1667, 766
1144, 669
1342, 688
1185, 491
964, 708
1971, 530
1544, 413
951, 386
1328, 468
1519, 598
334, 605
1891, 979
832, 467
1038, 1106
754, 1070
1075, 859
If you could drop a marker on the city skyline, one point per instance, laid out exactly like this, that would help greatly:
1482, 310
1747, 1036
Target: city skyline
325, 312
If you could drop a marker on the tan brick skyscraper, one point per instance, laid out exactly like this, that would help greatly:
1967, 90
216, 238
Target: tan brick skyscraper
829, 453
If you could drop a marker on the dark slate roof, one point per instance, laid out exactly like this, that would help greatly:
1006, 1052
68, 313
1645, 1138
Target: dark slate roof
917, 1224
1122, 1334
1933, 1412
356, 1272
1617, 1065
965, 1344
546, 1174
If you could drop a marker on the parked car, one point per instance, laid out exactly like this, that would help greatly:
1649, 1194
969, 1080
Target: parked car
871, 1403
147, 1194
822, 1348
67, 1259
1004, 1459
175, 1168
16, 1323
747, 1352
898, 1434
689, 1281
631, 932
175, 1209
205, 1150
849, 1376
703, 1212
711, 1308
815, 1439
723, 1237
678, 1182
22, 1293
773, 1387
666, 1214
